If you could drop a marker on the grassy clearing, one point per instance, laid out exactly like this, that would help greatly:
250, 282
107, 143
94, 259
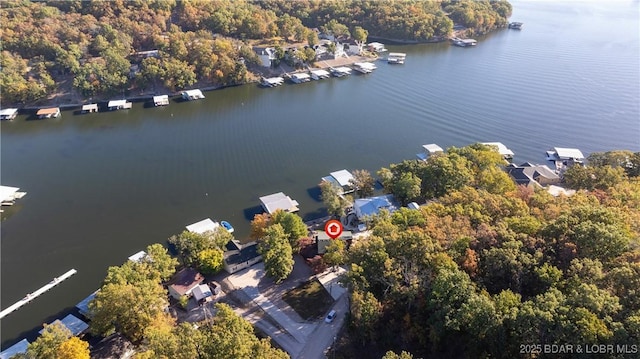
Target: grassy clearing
310, 300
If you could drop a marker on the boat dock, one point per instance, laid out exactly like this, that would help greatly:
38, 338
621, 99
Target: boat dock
31, 296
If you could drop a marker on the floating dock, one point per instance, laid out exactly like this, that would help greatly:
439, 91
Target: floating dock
31, 296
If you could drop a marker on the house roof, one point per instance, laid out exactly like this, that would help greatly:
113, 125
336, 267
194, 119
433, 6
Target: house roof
528, 173
185, 280
17, 348
323, 236
75, 325
203, 226
279, 200
202, 291
373, 205
248, 252
343, 177
83, 306
47, 111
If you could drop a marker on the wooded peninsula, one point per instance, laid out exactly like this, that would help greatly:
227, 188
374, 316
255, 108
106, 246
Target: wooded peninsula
67, 51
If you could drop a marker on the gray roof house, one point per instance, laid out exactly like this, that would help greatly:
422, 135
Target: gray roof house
531, 175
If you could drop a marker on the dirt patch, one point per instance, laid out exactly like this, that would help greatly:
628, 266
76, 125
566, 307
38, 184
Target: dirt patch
310, 300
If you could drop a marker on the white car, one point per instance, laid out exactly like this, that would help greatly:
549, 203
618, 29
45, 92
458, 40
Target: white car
330, 316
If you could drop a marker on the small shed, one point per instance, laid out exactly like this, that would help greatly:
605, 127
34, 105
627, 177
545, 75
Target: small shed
50, 112
89, 108
18, 348
8, 113
162, 100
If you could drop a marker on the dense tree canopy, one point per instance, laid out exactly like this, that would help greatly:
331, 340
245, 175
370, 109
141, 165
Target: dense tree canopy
96, 48
485, 267
276, 252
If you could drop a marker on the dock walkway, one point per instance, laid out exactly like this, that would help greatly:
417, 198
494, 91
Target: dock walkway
31, 296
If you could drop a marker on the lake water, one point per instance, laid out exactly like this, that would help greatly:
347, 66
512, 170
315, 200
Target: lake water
104, 186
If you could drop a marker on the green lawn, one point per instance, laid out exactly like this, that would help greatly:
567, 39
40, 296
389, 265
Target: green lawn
310, 300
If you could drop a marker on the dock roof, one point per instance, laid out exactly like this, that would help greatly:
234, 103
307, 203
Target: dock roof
116, 103
203, 226
194, 93
320, 72
301, 75
502, 149
161, 100
343, 177
137, 257
276, 201
18, 348
432, 148
48, 111
90, 106
76, 325
8, 111
566, 153
6, 192
83, 306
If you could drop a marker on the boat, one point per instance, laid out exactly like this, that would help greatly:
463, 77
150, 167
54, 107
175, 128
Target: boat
364, 67
227, 226
463, 42
515, 25
300, 78
271, 81
340, 71
396, 57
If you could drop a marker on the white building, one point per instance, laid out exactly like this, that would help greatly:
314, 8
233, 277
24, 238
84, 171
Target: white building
276, 201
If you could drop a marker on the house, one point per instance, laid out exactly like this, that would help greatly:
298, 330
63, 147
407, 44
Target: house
557, 191
83, 306
162, 100
429, 150
531, 175
372, 205
202, 293
506, 153
238, 257
8, 113
18, 348
90, 108
276, 201
323, 240
191, 95
50, 112
203, 226
341, 179
184, 282
119, 105
266, 55
75, 325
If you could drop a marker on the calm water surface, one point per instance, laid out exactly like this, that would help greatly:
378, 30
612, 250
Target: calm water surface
103, 186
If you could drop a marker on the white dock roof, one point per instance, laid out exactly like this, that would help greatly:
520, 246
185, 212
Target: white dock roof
6, 192
89, 107
502, 149
194, 93
343, 69
397, 54
18, 348
276, 201
342, 177
8, 111
432, 148
301, 76
203, 226
116, 103
568, 153
137, 256
320, 72
162, 99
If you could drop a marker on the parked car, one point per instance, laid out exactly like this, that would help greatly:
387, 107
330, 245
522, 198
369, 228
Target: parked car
330, 316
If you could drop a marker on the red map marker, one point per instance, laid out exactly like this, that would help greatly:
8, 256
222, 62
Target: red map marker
333, 228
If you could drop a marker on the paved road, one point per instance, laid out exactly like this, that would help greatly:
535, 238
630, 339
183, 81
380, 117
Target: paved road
298, 338
322, 338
